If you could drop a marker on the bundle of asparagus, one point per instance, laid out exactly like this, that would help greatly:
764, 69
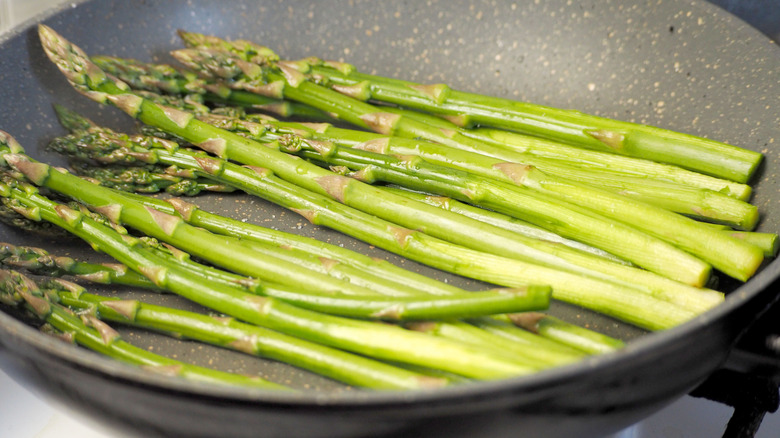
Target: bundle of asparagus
596, 228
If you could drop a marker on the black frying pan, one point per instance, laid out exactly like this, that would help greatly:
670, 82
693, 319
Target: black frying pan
683, 65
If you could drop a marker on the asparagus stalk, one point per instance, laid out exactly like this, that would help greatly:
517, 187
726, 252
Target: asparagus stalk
353, 302
508, 243
685, 233
168, 79
553, 328
695, 202
767, 242
38, 261
228, 333
573, 127
16, 289
437, 253
86, 77
681, 233
694, 298
646, 179
552, 353
370, 339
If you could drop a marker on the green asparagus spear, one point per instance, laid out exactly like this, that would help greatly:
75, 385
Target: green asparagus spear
40, 262
107, 145
554, 328
683, 233
375, 340
638, 178
86, 77
16, 289
568, 126
168, 79
229, 333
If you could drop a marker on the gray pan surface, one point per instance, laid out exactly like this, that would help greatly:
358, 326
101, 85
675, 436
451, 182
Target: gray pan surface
683, 65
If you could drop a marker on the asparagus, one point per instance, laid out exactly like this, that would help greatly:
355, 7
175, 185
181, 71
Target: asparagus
568, 126
491, 268
142, 180
695, 202
219, 224
643, 179
767, 242
366, 338
228, 333
685, 233
86, 77
679, 231
551, 327
38, 261
695, 299
168, 79
552, 353
16, 289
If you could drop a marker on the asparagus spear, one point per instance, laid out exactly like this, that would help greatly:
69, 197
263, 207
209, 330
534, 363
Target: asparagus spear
681, 233
16, 289
573, 127
554, 328
168, 79
606, 170
698, 300
696, 202
354, 302
742, 262
551, 352
437, 253
694, 298
228, 333
146, 180
375, 340
38, 261
86, 77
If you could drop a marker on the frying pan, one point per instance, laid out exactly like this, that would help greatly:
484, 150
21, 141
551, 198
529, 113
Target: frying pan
683, 65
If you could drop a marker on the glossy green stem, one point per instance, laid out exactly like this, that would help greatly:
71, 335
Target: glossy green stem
91, 333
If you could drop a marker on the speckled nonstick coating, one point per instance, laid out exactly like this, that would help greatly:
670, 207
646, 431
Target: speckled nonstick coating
684, 65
